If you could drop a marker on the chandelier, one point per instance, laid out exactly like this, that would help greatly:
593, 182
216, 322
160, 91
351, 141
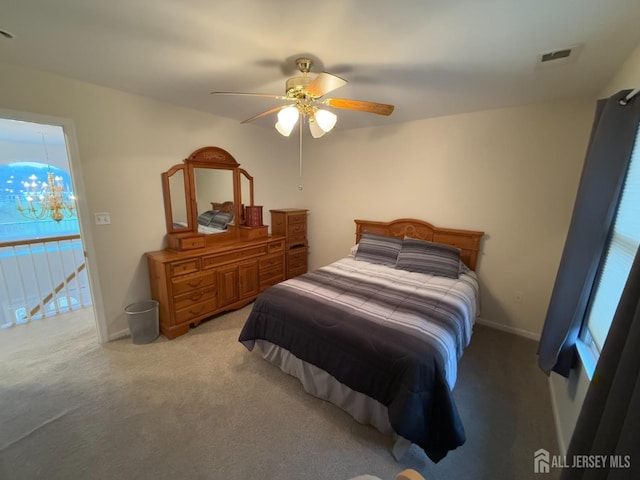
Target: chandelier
47, 199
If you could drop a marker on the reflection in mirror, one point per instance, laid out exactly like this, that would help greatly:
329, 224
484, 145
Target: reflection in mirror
214, 192
214, 187
178, 200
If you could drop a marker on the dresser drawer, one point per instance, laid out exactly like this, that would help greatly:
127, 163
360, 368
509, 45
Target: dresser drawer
294, 272
221, 258
272, 272
298, 218
271, 261
184, 268
297, 229
187, 284
185, 241
269, 282
188, 299
195, 311
297, 239
297, 258
276, 246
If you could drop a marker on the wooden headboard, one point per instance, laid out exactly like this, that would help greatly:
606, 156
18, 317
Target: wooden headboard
468, 241
223, 207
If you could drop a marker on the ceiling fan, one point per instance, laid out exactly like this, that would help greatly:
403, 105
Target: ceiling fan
303, 97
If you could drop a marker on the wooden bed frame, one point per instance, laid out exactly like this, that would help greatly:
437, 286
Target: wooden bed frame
468, 241
223, 207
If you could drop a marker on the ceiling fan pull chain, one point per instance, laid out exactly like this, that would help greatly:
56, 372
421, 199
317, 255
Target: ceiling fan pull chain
300, 127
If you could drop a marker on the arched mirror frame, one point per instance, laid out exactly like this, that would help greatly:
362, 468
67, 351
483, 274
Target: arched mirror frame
212, 158
219, 159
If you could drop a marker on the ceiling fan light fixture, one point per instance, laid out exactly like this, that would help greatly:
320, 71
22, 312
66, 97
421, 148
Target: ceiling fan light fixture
315, 129
326, 120
288, 117
304, 97
282, 130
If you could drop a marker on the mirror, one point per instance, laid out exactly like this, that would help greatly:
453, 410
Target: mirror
175, 188
214, 189
246, 192
203, 198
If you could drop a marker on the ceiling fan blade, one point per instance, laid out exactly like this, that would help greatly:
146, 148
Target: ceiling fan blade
361, 106
323, 84
264, 114
268, 95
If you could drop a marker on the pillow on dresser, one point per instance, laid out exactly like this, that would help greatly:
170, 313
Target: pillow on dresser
429, 257
376, 248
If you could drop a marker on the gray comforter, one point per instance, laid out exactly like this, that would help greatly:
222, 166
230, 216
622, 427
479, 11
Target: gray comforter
393, 335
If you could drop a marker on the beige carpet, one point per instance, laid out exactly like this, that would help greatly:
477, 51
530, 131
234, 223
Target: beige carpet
203, 407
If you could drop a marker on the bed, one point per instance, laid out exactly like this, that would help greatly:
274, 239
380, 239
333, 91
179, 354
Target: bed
379, 332
216, 220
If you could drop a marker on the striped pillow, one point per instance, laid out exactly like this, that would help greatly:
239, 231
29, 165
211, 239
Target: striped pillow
221, 219
429, 257
376, 248
207, 217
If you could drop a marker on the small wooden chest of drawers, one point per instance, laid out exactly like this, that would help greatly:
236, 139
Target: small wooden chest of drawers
292, 224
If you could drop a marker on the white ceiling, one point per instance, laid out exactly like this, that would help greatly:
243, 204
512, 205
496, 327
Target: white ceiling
427, 57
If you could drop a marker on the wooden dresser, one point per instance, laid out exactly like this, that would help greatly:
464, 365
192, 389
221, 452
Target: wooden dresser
193, 285
292, 224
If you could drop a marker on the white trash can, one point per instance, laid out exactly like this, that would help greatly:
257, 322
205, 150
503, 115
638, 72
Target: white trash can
143, 321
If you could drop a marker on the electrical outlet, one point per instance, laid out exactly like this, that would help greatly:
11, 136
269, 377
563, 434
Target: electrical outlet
102, 218
517, 296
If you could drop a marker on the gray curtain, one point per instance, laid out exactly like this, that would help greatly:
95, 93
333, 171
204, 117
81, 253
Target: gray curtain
607, 160
609, 422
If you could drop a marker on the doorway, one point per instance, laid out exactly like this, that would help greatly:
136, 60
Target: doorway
46, 249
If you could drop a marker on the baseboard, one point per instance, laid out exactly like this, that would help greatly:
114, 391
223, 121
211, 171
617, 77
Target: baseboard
556, 420
506, 328
118, 335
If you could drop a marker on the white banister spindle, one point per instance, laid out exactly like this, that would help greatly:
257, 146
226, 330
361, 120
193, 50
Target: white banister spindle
36, 282
66, 272
35, 273
77, 248
25, 300
8, 315
61, 280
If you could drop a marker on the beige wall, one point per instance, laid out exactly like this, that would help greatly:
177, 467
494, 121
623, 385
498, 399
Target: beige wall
568, 394
512, 173
125, 142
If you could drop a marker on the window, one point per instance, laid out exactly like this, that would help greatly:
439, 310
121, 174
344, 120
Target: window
618, 258
28, 153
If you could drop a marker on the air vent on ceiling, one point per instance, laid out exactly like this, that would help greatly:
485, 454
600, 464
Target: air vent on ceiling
551, 56
561, 56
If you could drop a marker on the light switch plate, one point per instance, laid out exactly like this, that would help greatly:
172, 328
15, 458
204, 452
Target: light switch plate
102, 218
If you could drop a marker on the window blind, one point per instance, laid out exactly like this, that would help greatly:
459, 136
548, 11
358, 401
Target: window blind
620, 253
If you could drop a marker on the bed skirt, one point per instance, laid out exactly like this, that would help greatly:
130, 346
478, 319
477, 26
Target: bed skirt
320, 384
